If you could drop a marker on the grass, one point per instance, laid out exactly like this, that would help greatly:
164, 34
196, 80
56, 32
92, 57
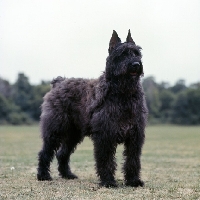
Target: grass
170, 167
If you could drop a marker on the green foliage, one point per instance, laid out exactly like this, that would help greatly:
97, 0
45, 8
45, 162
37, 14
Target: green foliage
38, 92
152, 97
16, 118
179, 86
20, 103
5, 88
186, 107
179, 104
4, 108
22, 92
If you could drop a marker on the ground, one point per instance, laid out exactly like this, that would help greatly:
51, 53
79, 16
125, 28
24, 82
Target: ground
170, 167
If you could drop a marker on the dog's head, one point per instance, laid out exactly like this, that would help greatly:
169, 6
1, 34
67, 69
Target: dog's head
124, 60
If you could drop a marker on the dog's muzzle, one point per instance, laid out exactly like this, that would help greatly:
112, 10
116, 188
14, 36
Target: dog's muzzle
135, 69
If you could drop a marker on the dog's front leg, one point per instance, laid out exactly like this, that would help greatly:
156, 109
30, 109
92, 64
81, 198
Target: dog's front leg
132, 166
104, 153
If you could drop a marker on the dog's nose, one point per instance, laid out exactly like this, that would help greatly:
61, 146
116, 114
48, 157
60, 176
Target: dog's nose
134, 68
135, 63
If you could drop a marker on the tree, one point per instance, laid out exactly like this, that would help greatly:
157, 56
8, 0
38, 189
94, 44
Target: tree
186, 108
152, 97
167, 100
179, 86
20, 103
38, 93
22, 92
4, 109
5, 88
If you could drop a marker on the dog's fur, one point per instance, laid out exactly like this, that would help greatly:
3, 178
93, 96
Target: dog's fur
110, 109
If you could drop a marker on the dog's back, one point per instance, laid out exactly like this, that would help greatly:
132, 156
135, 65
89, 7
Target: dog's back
65, 105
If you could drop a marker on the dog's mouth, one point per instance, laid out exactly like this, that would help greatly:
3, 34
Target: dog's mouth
133, 73
135, 69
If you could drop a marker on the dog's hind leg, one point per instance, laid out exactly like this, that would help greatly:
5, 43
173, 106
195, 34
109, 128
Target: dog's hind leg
45, 156
63, 156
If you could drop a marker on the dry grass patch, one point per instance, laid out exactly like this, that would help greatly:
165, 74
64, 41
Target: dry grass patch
170, 167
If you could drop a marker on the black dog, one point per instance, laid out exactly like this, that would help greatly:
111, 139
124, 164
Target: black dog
111, 110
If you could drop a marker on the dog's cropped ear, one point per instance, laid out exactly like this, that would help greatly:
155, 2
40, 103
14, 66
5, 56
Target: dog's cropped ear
114, 41
129, 38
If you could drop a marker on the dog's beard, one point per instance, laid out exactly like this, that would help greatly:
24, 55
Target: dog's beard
124, 83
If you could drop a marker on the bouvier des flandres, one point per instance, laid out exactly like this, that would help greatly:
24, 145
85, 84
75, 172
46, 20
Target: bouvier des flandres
111, 110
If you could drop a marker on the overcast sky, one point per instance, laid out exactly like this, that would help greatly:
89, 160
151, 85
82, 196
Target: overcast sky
48, 38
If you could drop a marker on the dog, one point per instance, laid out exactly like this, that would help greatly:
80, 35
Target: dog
110, 110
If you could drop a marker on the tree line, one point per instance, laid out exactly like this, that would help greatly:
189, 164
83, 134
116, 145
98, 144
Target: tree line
178, 104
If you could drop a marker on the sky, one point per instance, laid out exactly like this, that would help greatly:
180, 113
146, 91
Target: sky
49, 38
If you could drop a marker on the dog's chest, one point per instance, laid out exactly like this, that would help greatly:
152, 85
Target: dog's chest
122, 121
123, 115
117, 116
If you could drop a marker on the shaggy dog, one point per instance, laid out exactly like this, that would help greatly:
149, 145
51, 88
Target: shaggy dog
111, 110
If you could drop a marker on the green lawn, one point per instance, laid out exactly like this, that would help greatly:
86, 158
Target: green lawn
170, 167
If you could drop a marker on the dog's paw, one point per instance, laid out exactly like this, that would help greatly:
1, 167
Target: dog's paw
68, 175
71, 176
108, 184
44, 177
135, 183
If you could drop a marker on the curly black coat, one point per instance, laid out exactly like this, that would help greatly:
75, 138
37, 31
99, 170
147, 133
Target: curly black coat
110, 109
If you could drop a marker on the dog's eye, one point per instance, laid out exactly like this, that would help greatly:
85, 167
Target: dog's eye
125, 54
137, 53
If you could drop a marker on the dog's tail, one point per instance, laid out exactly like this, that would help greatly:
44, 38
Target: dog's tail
56, 81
